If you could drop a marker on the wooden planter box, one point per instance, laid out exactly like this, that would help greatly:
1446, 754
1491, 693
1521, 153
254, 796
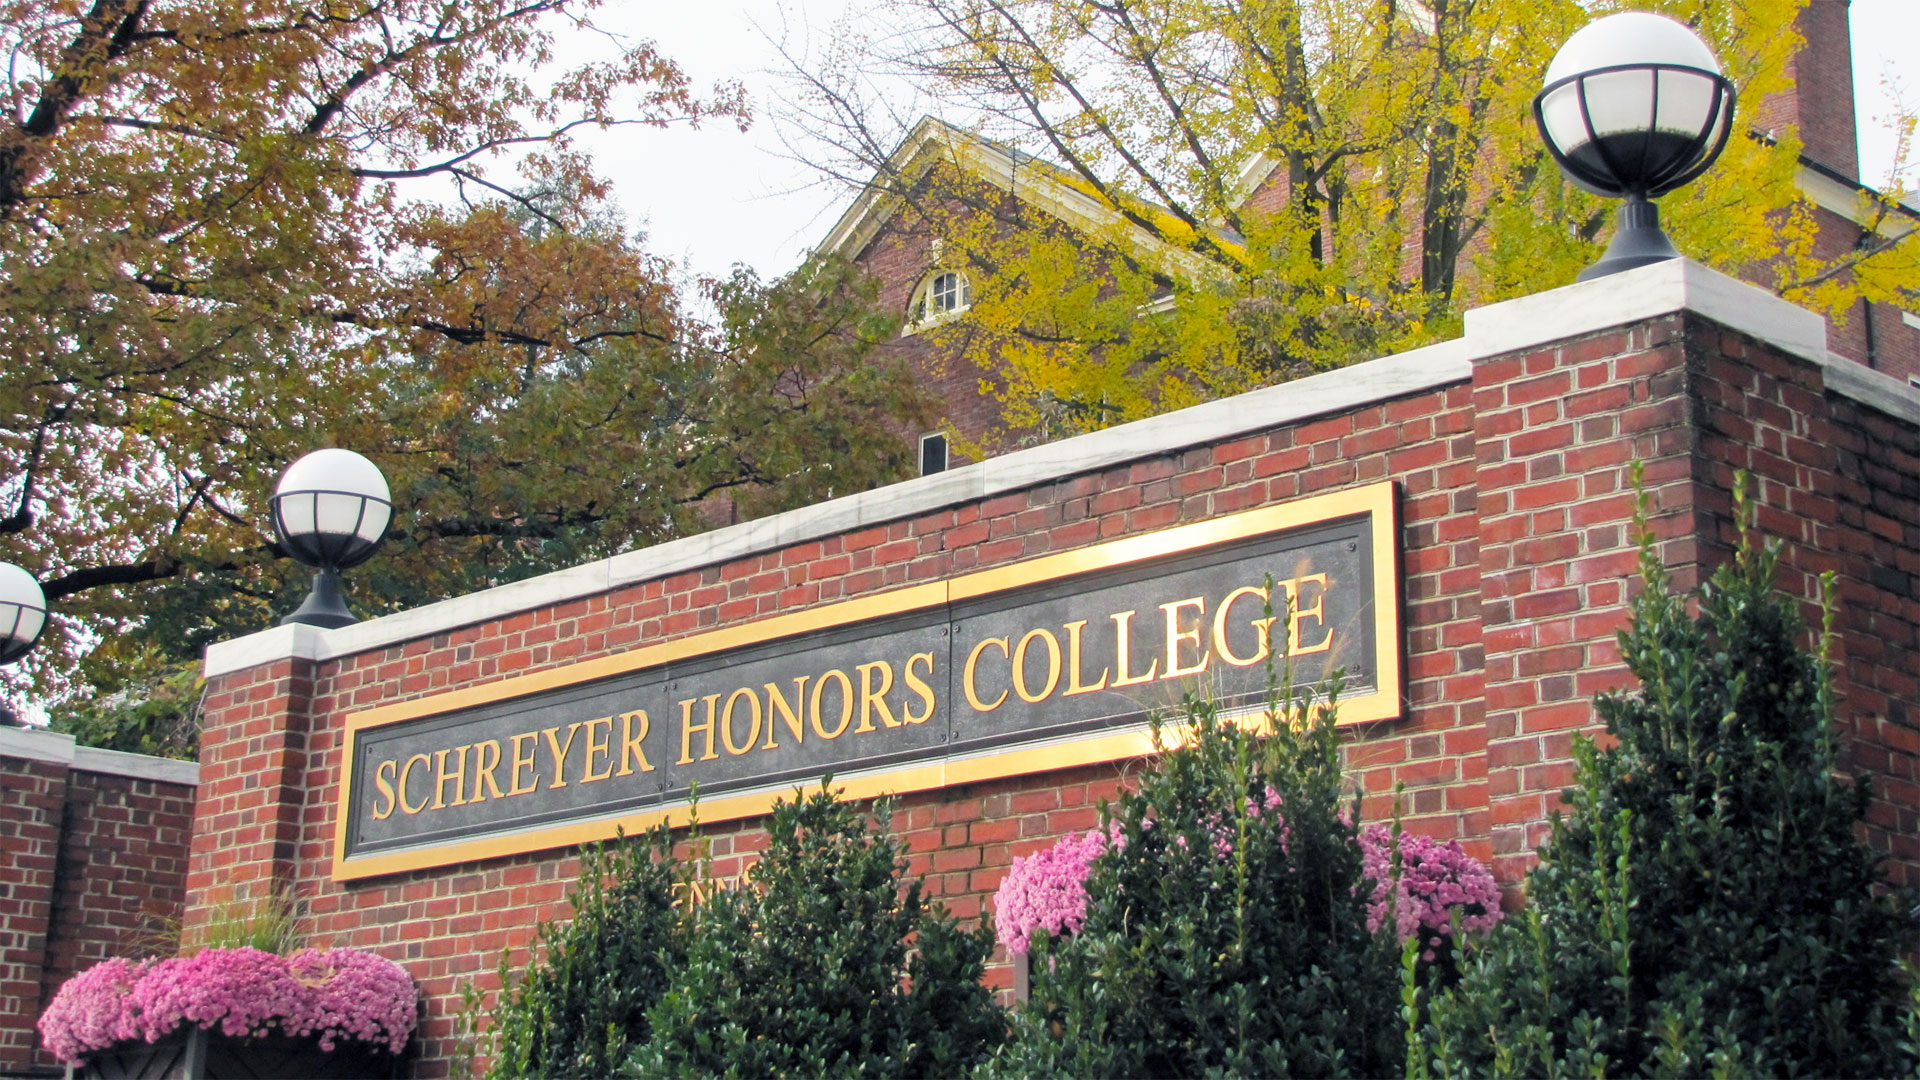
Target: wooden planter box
194, 1053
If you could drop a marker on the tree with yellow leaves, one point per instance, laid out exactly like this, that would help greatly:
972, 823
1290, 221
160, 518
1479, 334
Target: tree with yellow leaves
1287, 186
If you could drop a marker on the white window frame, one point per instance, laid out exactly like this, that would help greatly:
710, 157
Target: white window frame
920, 318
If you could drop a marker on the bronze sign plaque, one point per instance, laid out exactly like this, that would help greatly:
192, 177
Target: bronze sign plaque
1048, 663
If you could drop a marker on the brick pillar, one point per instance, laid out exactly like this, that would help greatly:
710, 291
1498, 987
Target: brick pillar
253, 751
33, 795
1558, 427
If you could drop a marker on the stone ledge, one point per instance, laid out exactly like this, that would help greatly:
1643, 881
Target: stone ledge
58, 749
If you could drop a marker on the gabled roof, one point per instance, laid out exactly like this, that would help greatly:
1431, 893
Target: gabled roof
1035, 182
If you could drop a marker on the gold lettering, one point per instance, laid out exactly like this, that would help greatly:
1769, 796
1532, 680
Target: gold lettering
846, 704
522, 762
1074, 685
631, 745
1264, 627
966, 675
919, 686
873, 697
385, 786
1316, 612
688, 727
484, 768
560, 753
1123, 647
406, 807
726, 722
600, 747
441, 776
790, 714
1175, 636
1020, 666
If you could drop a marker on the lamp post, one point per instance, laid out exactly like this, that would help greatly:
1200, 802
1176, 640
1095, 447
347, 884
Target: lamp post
23, 612
330, 512
1634, 106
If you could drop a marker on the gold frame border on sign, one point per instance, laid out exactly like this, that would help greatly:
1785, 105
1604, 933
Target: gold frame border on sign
1374, 501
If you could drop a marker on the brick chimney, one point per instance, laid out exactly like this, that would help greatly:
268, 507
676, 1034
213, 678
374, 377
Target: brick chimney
1820, 104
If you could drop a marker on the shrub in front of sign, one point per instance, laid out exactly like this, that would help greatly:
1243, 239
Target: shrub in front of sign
1434, 889
583, 1001
1225, 930
825, 961
1707, 907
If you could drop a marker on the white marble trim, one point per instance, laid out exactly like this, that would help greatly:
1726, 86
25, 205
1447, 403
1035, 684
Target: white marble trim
61, 749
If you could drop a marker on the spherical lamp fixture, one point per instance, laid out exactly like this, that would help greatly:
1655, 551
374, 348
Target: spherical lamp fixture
330, 512
23, 612
1634, 106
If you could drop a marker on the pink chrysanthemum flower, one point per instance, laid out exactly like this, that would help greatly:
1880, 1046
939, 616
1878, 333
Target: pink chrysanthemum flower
93, 1009
1046, 890
333, 994
1435, 880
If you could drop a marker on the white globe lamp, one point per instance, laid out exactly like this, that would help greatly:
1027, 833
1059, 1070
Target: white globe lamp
23, 612
1634, 106
330, 512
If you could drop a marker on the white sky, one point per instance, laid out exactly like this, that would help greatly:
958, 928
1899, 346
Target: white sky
714, 197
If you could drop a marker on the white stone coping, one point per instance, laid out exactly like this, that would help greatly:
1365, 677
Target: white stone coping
1587, 307
62, 750
1680, 285
1637, 296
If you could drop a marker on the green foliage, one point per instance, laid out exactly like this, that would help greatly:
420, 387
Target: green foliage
1226, 930
583, 1001
232, 234
270, 923
149, 705
1707, 908
824, 963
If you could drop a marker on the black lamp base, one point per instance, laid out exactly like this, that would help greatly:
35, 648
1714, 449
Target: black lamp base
324, 607
1638, 242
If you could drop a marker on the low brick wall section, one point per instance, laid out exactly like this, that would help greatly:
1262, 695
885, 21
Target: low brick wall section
93, 864
1511, 451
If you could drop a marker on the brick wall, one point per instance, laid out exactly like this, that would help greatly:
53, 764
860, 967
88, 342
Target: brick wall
1511, 453
93, 852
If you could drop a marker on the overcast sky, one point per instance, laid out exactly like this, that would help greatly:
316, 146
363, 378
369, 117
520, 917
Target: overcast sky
714, 197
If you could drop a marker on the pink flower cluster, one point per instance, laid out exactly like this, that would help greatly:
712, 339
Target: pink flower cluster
331, 994
1435, 880
1046, 890
356, 995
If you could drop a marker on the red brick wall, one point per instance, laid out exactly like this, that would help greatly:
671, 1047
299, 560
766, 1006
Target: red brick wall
898, 259
33, 795
92, 865
1838, 482
1516, 566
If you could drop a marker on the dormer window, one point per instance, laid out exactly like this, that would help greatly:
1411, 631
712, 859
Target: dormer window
942, 296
